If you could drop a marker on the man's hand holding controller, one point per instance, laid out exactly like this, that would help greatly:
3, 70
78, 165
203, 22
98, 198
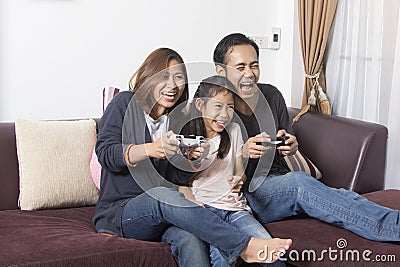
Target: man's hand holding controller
290, 147
256, 146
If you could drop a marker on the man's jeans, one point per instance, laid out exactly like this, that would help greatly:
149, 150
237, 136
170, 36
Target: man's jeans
149, 215
281, 196
244, 222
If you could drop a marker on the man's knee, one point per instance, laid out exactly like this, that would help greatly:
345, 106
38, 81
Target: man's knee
299, 179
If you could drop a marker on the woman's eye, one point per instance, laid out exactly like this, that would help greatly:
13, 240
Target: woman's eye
178, 77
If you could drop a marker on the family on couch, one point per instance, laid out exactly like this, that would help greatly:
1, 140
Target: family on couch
138, 197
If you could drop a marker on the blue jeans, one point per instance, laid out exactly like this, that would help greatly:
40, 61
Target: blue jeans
244, 222
189, 249
149, 215
281, 196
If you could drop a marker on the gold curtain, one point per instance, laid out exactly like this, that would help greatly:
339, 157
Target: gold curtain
315, 21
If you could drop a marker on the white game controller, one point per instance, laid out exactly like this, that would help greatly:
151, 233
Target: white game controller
188, 140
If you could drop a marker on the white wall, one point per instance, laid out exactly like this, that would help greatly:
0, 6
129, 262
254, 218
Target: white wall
57, 55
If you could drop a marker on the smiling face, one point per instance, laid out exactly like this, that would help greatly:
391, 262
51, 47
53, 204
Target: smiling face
216, 111
242, 69
169, 89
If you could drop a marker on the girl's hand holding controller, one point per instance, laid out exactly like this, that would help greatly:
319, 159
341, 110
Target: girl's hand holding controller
200, 152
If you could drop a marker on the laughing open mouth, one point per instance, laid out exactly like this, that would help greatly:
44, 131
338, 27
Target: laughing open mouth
220, 123
169, 95
246, 86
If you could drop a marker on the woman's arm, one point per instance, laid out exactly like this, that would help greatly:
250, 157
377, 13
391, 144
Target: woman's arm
159, 149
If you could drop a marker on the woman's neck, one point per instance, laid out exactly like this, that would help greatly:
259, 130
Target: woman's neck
157, 111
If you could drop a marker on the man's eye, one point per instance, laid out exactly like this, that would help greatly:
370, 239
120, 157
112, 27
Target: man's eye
240, 68
255, 66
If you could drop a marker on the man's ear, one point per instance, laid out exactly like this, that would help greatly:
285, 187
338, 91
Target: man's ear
199, 103
220, 70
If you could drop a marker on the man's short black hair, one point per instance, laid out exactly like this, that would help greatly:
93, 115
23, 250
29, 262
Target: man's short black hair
228, 42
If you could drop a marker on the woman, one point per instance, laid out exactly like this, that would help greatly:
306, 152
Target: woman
135, 200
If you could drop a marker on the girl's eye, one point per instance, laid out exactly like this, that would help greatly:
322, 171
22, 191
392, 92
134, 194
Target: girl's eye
178, 77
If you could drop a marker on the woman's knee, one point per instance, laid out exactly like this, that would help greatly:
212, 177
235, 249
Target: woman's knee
169, 196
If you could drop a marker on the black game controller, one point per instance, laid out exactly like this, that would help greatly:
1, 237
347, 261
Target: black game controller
279, 141
188, 140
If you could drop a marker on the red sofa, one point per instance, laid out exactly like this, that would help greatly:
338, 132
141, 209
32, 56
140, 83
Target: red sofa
349, 153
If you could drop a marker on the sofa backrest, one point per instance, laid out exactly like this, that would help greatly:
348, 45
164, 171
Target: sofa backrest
350, 153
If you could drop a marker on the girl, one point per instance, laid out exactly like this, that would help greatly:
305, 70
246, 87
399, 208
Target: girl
210, 114
135, 201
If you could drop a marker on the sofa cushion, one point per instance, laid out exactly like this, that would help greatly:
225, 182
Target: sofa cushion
66, 237
54, 161
300, 162
311, 235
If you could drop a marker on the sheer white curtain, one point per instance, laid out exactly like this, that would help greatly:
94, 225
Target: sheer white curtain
362, 69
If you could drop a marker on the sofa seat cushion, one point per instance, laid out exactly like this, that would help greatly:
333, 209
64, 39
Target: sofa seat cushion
313, 235
66, 237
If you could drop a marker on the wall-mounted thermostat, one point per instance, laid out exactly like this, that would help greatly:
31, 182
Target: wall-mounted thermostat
272, 41
276, 38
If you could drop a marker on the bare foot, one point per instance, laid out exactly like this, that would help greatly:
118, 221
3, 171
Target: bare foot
265, 250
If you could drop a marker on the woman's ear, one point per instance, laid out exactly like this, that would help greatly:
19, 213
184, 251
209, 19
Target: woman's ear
220, 70
199, 103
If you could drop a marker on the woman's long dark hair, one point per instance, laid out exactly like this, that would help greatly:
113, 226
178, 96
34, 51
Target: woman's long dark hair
207, 89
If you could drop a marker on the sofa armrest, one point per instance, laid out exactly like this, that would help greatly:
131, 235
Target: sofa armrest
350, 153
9, 173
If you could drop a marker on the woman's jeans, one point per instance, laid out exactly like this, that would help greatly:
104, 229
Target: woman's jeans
244, 222
149, 215
281, 196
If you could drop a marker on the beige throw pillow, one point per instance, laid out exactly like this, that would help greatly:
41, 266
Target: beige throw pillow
54, 159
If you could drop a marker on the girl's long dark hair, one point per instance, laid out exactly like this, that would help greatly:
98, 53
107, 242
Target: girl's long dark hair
207, 89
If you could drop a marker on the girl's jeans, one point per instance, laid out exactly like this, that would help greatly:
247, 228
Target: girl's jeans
244, 222
149, 215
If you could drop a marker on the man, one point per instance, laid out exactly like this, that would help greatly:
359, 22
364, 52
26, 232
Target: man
277, 192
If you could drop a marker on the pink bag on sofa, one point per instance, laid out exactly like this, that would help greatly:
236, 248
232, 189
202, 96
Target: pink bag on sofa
95, 167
